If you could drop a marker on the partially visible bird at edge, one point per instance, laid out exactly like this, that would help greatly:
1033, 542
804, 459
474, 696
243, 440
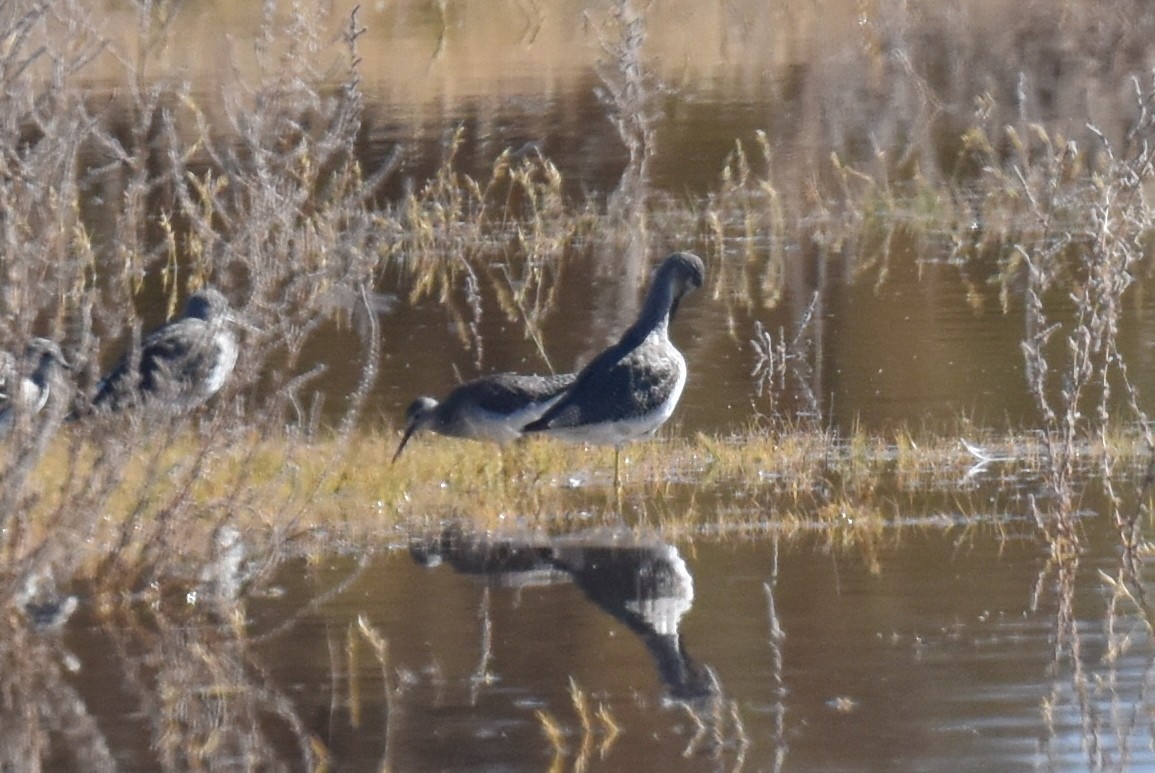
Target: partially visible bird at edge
27, 383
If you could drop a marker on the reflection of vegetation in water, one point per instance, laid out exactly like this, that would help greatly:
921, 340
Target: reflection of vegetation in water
186, 687
270, 198
1092, 687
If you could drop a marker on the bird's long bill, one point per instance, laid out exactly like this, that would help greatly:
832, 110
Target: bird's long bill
405, 439
243, 322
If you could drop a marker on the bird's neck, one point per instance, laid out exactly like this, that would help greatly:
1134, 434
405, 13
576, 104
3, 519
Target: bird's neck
655, 313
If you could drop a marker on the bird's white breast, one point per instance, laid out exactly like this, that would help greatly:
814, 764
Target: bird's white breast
226, 346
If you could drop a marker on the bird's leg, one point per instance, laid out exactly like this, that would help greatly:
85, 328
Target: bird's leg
617, 469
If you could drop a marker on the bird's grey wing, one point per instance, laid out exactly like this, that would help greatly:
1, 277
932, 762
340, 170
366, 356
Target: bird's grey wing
169, 356
507, 393
177, 355
546, 387
629, 386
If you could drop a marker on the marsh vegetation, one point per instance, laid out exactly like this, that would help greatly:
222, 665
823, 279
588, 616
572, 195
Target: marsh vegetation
400, 198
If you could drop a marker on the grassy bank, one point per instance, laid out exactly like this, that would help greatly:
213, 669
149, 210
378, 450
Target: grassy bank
175, 493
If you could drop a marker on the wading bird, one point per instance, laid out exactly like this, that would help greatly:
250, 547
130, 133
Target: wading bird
27, 383
180, 365
492, 407
631, 388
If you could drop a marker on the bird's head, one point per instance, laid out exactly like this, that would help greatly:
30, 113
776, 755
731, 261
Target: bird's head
42, 354
685, 272
416, 417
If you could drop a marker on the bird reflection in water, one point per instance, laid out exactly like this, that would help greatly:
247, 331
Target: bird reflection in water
642, 582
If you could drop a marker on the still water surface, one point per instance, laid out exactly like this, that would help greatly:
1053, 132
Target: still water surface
945, 643
961, 652
923, 342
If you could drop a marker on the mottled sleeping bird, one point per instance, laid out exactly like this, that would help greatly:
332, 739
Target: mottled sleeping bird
489, 408
27, 383
181, 364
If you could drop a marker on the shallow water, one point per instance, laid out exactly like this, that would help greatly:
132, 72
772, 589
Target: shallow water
942, 641
932, 649
921, 342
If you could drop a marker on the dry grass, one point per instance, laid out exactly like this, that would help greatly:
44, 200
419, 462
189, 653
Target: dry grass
800, 479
